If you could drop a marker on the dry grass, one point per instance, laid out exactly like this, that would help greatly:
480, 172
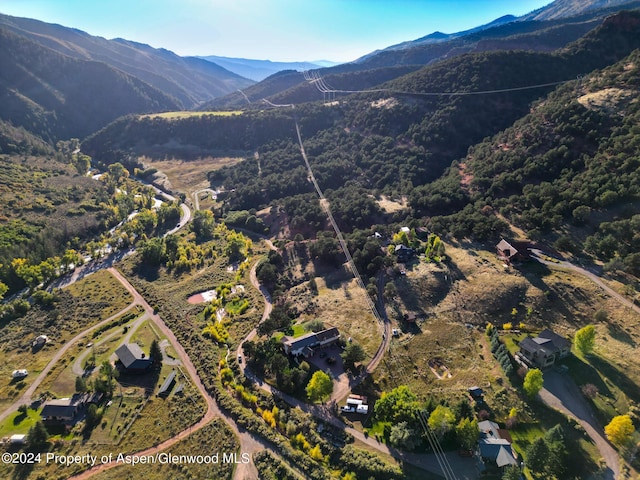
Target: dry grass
475, 288
392, 206
189, 176
188, 114
82, 305
343, 304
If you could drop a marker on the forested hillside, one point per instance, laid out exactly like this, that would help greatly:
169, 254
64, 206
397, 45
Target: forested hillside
393, 141
57, 97
188, 80
573, 162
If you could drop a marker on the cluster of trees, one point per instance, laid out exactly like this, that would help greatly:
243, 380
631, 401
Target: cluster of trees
499, 350
401, 407
177, 253
246, 219
547, 456
267, 358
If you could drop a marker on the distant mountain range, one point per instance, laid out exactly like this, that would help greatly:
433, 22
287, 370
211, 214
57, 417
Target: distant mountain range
506, 33
60, 82
260, 69
188, 79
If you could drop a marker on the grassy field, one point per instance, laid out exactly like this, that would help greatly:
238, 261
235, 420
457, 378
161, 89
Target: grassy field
455, 302
214, 438
189, 114
190, 176
18, 422
61, 380
79, 306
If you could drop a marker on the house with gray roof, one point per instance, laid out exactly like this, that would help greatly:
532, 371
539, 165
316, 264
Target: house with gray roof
494, 447
543, 351
304, 346
132, 359
64, 410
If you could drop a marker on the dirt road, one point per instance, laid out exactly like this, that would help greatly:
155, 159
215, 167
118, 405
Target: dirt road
248, 443
563, 264
25, 398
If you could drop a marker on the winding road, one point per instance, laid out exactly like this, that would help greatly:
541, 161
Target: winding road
563, 264
560, 391
248, 443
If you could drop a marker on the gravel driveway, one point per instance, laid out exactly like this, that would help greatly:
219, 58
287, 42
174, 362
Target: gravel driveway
561, 393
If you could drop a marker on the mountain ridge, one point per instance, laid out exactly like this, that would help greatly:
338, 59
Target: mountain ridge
258, 70
190, 80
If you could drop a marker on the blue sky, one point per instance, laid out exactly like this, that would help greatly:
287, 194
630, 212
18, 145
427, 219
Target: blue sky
279, 30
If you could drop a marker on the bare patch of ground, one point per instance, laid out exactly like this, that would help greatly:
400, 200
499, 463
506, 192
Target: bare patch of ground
189, 176
611, 100
392, 206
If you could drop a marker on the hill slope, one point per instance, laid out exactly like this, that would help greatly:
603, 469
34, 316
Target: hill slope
571, 8
56, 96
189, 80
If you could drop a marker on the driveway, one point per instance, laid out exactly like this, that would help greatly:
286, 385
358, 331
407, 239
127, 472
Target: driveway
561, 393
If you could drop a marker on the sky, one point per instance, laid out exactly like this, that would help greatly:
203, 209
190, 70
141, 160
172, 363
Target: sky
277, 30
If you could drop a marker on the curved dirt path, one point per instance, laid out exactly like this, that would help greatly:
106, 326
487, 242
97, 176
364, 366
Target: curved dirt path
561, 393
268, 307
248, 443
25, 398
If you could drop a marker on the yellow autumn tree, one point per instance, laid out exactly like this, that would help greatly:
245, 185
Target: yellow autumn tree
619, 430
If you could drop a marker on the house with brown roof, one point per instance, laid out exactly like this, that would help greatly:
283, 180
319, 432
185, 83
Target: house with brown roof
305, 345
543, 351
494, 447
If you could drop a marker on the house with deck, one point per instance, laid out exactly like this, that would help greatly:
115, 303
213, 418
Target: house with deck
544, 350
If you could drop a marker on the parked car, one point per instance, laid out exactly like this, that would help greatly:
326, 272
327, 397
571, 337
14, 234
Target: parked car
19, 373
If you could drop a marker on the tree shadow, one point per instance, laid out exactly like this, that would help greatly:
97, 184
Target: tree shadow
534, 272
619, 334
616, 376
147, 272
584, 373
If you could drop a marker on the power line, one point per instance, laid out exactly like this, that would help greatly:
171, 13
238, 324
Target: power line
315, 78
441, 458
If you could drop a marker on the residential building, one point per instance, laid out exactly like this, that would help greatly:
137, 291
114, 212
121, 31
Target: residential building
494, 447
64, 410
304, 346
543, 350
132, 359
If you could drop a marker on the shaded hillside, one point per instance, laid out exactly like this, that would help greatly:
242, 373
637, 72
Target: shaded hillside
55, 96
18, 140
255, 93
189, 80
291, 87
196, 136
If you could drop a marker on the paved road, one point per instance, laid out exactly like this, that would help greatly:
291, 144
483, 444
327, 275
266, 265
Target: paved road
561, 393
